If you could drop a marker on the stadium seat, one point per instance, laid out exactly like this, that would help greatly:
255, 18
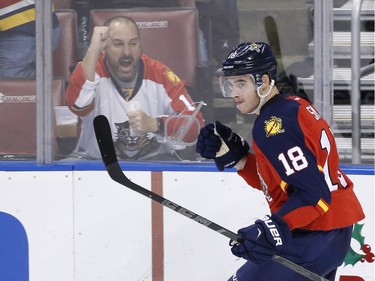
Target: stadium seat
187, 3
65, 56
18, 115
168, 35
62, 4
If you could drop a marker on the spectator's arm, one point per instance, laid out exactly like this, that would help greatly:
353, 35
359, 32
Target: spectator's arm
98, 42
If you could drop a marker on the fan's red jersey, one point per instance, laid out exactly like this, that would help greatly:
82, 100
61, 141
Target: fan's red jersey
296, 164
158, 92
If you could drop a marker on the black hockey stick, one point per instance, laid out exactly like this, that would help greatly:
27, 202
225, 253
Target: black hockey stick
107, 150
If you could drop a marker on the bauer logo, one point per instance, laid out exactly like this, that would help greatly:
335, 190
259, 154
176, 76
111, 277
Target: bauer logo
17, 99
273, 230
14, 250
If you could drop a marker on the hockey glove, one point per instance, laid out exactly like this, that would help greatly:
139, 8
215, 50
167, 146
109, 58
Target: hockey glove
208, 143
219, 142
237, 147
263, 239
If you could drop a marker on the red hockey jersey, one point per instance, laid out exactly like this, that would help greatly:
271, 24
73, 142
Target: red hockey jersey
296, 164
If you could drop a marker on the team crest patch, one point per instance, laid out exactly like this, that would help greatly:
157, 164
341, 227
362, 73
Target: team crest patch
273, 127
172, 77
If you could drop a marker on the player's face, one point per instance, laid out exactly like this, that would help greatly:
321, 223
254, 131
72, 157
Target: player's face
242, 89
123, 51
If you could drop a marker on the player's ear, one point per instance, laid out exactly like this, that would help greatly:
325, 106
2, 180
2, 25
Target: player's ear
266, 79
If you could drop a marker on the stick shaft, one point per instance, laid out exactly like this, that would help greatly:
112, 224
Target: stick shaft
117, 175
115, 172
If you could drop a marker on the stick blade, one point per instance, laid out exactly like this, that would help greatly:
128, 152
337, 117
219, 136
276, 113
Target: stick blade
104, 138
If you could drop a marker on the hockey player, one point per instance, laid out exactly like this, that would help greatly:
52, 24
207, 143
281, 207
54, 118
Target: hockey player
295, 163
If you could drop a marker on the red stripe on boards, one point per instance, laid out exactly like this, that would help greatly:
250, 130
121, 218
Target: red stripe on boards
157, 229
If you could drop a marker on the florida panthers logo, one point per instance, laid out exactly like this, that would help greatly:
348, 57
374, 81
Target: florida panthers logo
132, 147
172, 77
245, 48
273, 127
255, 47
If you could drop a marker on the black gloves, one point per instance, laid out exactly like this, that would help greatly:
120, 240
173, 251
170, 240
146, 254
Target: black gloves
262, 239
219, 142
